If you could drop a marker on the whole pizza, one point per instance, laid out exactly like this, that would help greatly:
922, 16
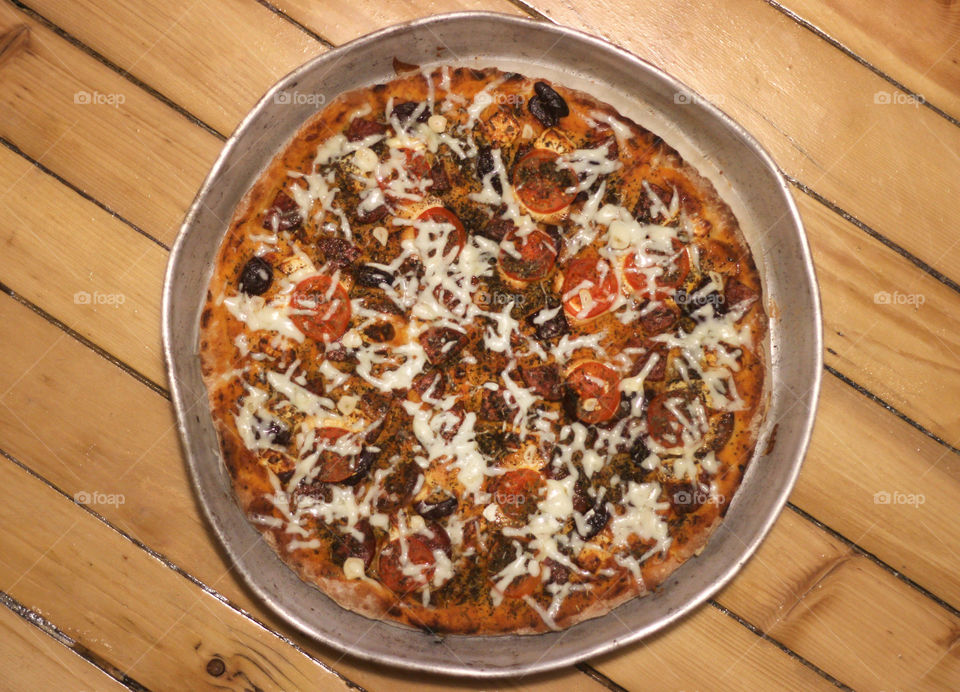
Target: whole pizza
484, 356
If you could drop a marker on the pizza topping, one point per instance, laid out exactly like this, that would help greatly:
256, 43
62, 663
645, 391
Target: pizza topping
589, 287
283, 215
541, 184
321, 308
592, 391
527, 258
667, 271
372, 277
256, 277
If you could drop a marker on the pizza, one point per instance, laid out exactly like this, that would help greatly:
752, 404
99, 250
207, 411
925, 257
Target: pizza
484, 356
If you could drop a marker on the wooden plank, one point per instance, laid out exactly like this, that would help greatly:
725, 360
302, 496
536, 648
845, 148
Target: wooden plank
915, 43
339, 22
685, 657
33, 660
244, 49
891, 165
111, 453
88, 579
886, 486
844, 612
108, 278
887, 323
124, 147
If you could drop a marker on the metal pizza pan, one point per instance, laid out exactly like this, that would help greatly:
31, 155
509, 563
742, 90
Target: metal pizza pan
722, 150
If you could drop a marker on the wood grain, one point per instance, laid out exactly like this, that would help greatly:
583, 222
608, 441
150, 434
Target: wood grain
916, 43
124, 147
33, 660
136, 460
837, 608
186, 49
90, 580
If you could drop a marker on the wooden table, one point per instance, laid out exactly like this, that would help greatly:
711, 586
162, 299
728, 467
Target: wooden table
111, 114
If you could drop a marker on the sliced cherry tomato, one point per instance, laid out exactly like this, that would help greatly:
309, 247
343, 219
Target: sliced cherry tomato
541, 185
420, 549
329, 310
517, 492
333, 467
596, 391
538, 254
595, 275
664, 427
675, 270
457, 238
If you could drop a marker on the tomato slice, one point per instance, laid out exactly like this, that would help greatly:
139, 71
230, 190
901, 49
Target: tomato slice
420, 549
333, 467
329, 310
541, 185
676, 267
517, 492
663, 425
597, 389
538, 254
443, 215
595, 275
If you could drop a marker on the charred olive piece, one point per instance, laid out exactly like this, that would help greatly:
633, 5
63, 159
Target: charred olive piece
256, 277
547, 106
551, 328
485, 168
380, 332
596, 520
371, 277
436, 510
551, 99
540, 111
692, 300
403, 111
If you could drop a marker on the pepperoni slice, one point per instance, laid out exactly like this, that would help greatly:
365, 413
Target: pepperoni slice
346, 545
442, 215
333, 467
420, 549
327, 306
592, 274
541, 185
662, 424
517, 492
675, 270
595, 391
538, 254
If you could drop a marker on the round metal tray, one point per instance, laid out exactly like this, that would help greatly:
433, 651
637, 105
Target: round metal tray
740, 169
